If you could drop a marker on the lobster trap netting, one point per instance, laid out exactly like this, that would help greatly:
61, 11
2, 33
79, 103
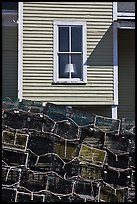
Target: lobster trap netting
54, 153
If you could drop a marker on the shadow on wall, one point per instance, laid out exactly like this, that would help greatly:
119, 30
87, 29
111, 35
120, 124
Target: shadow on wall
102, 54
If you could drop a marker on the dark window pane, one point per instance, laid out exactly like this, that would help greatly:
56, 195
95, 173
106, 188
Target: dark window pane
77, 60
76, 39
63, 60
63, 39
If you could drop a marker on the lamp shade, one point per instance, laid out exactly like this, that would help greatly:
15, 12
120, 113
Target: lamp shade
70, 68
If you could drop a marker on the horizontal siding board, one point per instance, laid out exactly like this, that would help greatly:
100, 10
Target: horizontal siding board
38, 20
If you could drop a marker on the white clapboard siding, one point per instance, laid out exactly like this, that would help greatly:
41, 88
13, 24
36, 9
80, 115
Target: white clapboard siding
38, 36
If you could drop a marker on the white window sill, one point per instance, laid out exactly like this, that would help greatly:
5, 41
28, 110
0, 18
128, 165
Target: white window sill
70, 82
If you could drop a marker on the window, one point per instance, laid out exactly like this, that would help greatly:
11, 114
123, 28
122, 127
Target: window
69, 52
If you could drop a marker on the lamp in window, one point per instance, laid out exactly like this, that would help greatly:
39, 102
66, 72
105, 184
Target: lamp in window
70, 68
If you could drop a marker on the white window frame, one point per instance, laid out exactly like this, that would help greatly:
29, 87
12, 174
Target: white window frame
84, 52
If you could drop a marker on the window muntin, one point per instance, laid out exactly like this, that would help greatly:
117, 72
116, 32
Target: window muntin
70, 49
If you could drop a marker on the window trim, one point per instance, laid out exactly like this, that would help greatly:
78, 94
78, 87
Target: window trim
56, 45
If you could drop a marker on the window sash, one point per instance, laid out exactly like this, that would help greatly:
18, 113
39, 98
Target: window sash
57, 52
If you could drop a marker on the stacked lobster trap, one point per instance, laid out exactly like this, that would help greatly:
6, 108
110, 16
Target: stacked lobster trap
53, 153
